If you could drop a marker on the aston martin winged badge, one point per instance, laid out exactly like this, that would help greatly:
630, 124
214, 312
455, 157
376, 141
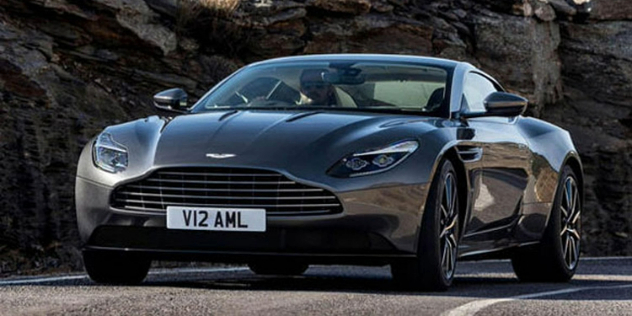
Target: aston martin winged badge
219, 156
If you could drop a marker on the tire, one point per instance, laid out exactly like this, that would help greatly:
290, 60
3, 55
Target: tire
115, 268
556, 257
278, 268
434, 266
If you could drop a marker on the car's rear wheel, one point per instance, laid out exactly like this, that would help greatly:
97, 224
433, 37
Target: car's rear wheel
115, 268
556, 257
434, 267
278, 268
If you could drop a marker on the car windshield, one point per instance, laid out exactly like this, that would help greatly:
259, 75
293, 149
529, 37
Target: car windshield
363, 86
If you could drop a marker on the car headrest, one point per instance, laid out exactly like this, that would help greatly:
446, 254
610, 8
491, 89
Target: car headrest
435, 99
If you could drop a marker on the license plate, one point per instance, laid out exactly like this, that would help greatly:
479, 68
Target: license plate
218, 219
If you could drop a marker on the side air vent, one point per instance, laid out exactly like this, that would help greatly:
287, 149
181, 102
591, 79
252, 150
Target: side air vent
470, 153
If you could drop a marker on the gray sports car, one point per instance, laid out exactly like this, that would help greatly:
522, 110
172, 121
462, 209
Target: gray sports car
393, 160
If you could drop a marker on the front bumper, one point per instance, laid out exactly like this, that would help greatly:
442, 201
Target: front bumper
376, 224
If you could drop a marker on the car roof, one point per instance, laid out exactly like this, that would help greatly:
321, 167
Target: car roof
431, 61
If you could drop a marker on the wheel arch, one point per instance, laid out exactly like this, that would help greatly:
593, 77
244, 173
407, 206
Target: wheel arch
463, 182
572, 160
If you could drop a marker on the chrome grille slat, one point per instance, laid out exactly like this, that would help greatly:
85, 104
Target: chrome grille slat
224, 187
201, 174
227, 205
222, 190
219, 182
318, 212
230, 197
150, 209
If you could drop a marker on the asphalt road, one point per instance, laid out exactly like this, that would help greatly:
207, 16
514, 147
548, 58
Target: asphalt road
602, 287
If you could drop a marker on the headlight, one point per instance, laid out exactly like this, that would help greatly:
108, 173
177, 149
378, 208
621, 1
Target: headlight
374, 160
108, 154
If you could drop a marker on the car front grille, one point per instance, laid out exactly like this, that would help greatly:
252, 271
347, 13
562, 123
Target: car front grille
224, 187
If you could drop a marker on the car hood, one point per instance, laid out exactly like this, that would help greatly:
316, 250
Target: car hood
271, 138
302, 144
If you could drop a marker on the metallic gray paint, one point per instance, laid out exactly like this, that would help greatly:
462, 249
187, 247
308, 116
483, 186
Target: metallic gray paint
516, 161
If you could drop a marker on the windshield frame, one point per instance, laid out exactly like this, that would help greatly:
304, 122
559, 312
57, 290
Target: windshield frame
443, 111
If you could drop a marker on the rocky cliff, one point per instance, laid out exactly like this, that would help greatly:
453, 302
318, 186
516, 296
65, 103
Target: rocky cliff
70, 67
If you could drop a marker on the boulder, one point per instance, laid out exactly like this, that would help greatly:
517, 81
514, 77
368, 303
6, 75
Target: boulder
611, 10
355, 7
381, 6
137, 17
563, 7
597, 59
544, 11
21, 66
63, 6
279, 39
165, 7
369, 34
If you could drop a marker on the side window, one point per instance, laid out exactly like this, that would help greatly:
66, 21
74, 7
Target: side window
476, 89
410, 94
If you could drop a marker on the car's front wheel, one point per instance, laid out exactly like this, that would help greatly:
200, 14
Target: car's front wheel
556, 257
434, 266
115, 268
278, 268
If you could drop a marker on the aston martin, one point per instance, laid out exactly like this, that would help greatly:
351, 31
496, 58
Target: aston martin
407, 161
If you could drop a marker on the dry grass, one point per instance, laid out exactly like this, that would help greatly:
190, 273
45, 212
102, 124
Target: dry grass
194, 8
224, 6
189, 11
214, 24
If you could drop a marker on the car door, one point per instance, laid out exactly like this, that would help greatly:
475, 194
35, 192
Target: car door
497, 199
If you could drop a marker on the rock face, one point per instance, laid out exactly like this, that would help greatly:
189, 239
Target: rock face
597, 80
611, 10
65, 73
68, 68
368, 34
355, 7
530, 64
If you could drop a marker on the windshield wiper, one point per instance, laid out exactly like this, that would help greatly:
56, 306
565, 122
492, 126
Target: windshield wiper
350, 109
227, 114
332, 108
288, 107
299, 116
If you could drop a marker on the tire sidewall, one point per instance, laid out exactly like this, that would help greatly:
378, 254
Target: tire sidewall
552, 234
429, 248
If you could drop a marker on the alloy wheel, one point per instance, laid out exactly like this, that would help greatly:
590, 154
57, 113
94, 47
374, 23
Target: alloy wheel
570, 210
449, 218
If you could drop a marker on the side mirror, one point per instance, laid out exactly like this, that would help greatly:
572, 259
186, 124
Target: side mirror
172, 100
501, 104
505, 104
